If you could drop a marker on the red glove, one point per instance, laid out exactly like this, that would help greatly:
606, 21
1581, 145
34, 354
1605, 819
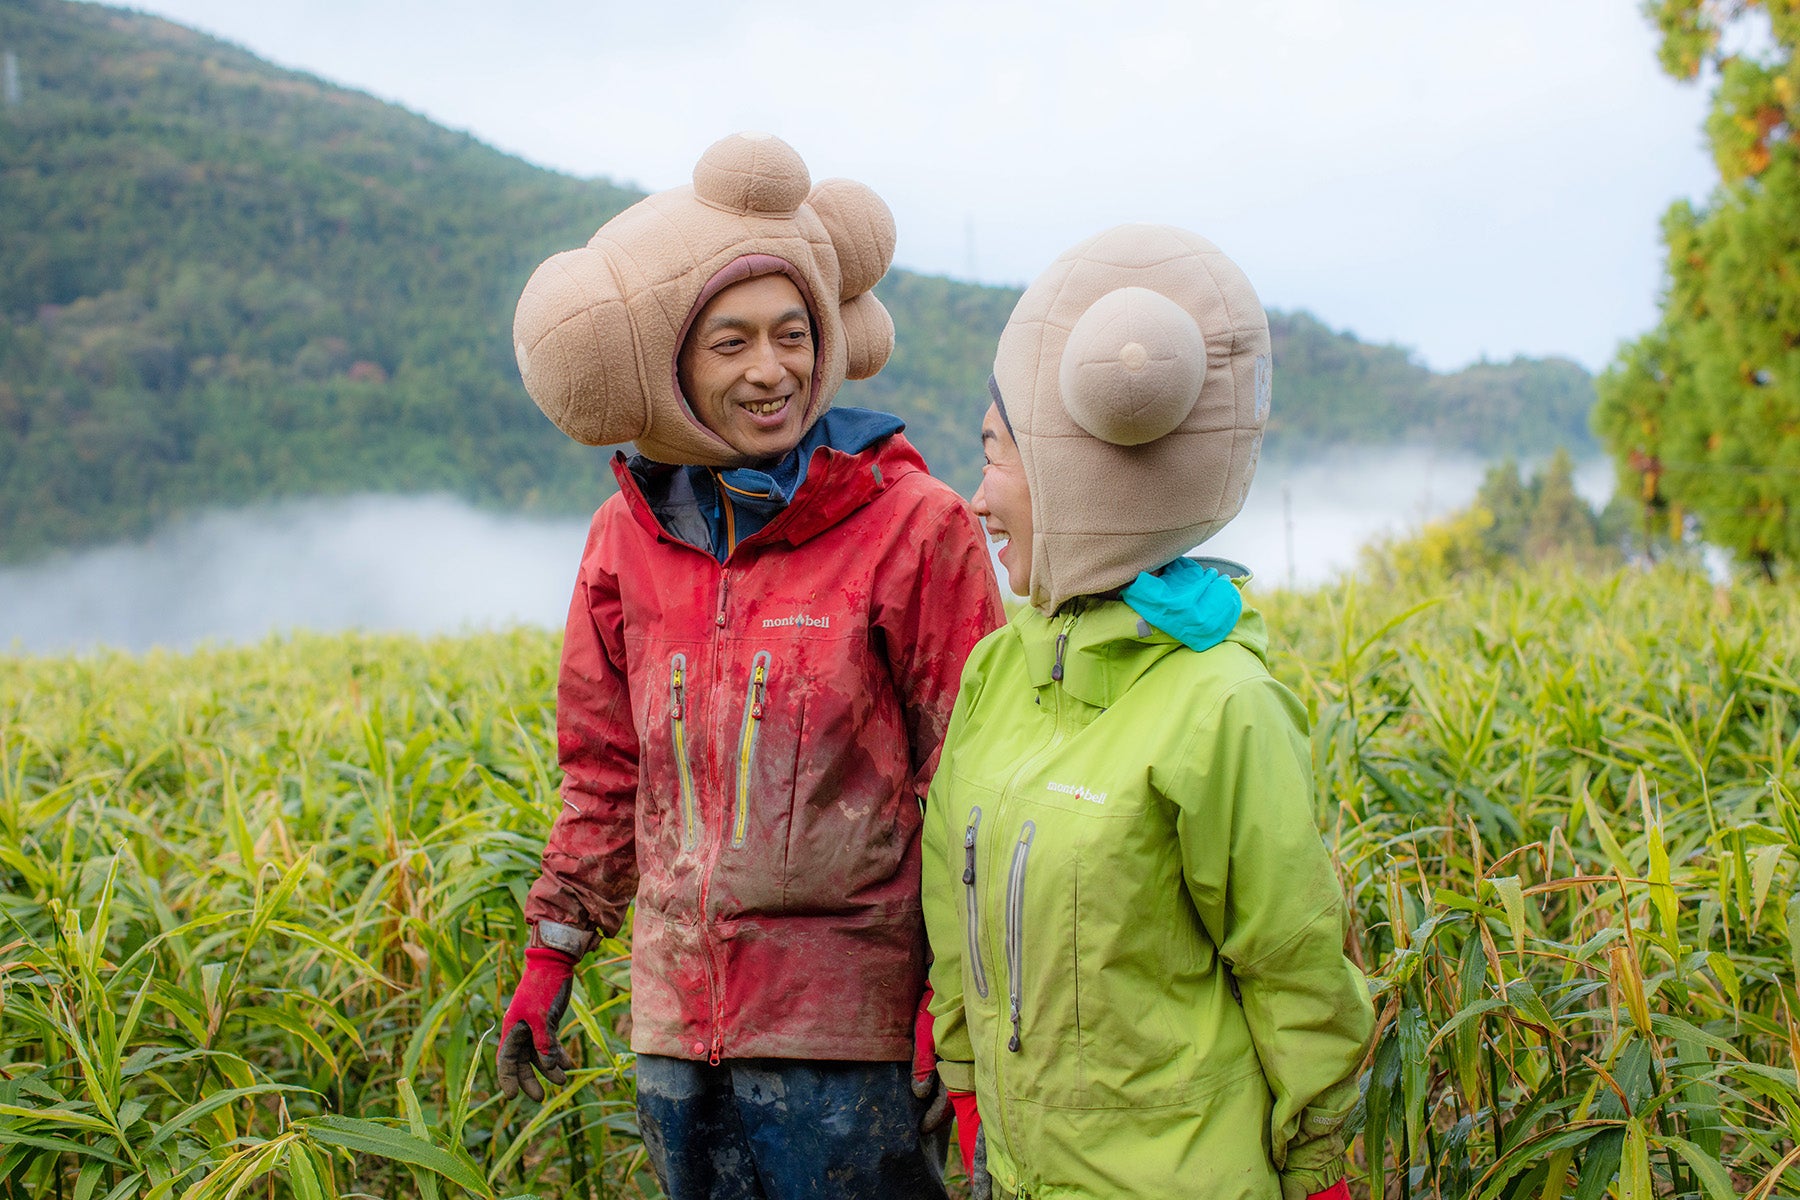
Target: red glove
1337, 1191
924, 1048
968, 1124
925, 1083
528, 1030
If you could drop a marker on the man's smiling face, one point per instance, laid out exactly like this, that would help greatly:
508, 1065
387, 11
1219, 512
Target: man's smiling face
747, 365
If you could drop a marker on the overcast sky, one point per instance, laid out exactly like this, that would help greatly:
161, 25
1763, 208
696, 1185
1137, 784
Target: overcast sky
1466, 179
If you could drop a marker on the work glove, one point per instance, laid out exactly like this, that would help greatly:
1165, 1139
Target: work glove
925, 1083
528, 1045
1337, 1191
973, 1144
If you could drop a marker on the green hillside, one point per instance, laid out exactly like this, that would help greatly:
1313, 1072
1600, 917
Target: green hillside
225, 282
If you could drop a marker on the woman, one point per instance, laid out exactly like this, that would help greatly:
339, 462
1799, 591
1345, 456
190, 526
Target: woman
1138, 934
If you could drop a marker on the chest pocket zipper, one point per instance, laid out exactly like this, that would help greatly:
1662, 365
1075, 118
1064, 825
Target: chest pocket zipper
684, 774
972, 897
754, 700
1015, 922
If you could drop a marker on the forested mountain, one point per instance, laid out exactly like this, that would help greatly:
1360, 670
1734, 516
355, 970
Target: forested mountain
223, 281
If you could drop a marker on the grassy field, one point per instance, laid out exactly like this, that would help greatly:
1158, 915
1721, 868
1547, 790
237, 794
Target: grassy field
259, 907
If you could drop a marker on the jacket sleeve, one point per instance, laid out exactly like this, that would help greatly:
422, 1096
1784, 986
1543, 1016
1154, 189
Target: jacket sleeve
590, 860
931, 610
1265, 888
943, 923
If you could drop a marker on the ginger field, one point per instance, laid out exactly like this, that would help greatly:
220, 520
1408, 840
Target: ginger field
259, 907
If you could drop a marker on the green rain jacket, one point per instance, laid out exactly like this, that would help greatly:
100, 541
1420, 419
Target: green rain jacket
1137, 931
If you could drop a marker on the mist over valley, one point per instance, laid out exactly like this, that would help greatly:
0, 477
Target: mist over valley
440, 565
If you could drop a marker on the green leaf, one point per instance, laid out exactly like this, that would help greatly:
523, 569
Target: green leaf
1691, 1035
415, 1120
369, 1137
1615, 854
1793, 930
1634, 1164
200, 1108
126, 1187
1384, 1077
1415, 1073
1528, 1004
56, 1116
1512, 899
1725, 971
1600, 1163
81, 1150
1533, 1149
1706, 1167
1662, 895
1762, 874
303, 1173
88, 1180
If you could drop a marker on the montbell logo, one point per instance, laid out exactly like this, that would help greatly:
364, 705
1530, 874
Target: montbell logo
1077, 790
800, 620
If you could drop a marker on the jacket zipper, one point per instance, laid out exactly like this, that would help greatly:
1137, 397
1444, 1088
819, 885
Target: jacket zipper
1015, 920
753, 717
1062, 642
1015, 889
714, 981
690, 833
972, 894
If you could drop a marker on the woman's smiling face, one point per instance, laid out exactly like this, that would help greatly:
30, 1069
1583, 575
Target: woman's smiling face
1003, 501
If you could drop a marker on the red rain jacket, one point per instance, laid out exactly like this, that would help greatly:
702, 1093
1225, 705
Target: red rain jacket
746, 747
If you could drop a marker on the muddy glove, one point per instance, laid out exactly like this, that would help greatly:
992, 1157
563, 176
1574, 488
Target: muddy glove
973, 1144
925, 1083
528, 1045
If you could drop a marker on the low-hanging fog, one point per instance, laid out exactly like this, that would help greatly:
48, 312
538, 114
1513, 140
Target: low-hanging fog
434, 564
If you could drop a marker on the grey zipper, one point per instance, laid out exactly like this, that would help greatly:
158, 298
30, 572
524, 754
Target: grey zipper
1015, 920
972, 921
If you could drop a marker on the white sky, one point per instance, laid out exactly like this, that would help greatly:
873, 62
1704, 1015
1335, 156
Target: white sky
1462, 178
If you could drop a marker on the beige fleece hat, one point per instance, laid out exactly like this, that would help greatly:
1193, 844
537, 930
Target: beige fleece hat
597, 329
1134, 374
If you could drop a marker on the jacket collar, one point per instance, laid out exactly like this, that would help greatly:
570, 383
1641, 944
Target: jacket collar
1106, 647
836, 485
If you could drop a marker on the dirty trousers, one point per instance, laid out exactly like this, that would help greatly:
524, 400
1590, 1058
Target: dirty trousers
778, 1129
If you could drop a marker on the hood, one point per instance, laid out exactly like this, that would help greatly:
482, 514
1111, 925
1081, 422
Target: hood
597, 329
1135, 375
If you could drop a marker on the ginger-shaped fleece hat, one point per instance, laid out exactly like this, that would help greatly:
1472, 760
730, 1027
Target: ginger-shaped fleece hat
1134, 374
598, 329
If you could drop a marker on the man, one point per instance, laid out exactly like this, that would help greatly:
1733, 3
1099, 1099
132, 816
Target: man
761, 657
